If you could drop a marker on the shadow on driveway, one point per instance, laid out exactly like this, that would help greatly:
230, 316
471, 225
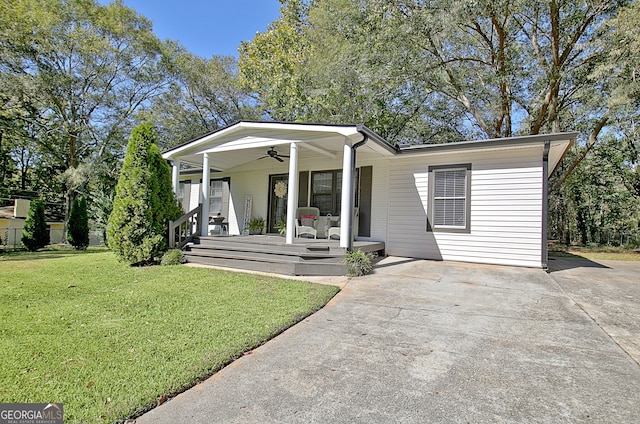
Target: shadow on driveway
609, 293
559, 263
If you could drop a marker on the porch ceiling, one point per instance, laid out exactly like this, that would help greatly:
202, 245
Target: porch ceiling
245, 142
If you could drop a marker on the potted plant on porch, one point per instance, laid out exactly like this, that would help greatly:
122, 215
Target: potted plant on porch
281, 226
256, 225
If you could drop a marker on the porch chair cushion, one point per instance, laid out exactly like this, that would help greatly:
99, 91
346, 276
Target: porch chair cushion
306, 221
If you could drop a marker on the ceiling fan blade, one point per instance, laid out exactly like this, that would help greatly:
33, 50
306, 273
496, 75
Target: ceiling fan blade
263, 157
283, 156
278, 159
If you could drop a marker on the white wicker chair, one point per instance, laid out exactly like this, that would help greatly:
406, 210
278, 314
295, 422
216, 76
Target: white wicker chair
307, 229
335, 231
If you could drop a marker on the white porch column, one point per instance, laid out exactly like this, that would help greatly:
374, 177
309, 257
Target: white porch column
346, 207
204, 194
292, 193
175, 175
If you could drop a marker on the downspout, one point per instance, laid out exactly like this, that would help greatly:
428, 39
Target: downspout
545, 204
352, 195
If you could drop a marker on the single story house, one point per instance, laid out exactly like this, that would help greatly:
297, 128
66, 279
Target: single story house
12, 219
474, 201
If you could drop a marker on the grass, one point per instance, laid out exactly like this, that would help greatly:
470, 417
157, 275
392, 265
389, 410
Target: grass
108, 340
596, 253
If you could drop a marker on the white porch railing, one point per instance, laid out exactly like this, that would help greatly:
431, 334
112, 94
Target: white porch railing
183, 229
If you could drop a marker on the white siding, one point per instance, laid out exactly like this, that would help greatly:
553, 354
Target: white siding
194, 194
243, 184
254, 183
506, 209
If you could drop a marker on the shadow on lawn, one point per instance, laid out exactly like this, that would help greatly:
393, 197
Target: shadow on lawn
47, 254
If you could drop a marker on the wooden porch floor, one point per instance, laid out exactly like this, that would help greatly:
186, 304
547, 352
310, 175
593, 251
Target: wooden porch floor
277, 240
270, 253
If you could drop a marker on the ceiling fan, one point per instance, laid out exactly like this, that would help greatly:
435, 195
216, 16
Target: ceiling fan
273, 153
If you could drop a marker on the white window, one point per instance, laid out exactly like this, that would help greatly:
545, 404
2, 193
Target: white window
215, 197
219, 197
449, 203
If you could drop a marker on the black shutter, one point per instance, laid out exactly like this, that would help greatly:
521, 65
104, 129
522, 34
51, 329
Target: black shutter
366, 181
303, 189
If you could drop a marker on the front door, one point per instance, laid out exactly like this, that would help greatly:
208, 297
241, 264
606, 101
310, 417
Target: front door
277, 201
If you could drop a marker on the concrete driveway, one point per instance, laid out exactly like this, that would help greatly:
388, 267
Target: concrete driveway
424, 341
608, 292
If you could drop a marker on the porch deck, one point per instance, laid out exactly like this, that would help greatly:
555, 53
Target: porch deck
270, 253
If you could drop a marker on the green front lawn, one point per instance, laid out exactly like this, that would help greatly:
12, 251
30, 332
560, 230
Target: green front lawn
108, 340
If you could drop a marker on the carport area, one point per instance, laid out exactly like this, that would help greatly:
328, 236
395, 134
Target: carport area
424, 341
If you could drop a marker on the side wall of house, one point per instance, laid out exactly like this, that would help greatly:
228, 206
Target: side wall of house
505, 208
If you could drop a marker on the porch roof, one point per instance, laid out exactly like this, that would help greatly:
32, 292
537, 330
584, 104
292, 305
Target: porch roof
246, 141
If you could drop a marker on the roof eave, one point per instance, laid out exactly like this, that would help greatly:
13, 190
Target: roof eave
569, 137
344, 130
373, 136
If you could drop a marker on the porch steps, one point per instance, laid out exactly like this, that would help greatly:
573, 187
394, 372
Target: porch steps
264, 254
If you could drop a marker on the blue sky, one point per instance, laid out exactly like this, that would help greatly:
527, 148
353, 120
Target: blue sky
207, 27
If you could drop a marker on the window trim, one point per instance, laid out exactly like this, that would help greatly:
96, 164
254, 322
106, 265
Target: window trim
333, 193
228, 200
336, 190
430, 205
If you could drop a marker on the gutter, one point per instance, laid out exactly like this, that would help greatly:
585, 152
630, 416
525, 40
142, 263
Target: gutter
545, 205
365, 138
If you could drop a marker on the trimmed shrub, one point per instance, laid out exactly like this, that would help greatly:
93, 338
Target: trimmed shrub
78, 225
144, 201
35, 234
360, 263
173, 257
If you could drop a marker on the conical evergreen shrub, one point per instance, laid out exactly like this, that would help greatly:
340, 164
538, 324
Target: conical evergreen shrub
78, 225
35, 234
144, 202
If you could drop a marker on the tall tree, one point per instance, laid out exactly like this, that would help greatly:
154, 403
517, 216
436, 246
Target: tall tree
273, 64
78, 227
487, 68
85, 68
143, 203
617, 78
204, 95
35, 234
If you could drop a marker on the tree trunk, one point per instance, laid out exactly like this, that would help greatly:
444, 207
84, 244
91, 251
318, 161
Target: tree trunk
3, 170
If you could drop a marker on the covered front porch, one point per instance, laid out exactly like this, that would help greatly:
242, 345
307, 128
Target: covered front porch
270, 169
